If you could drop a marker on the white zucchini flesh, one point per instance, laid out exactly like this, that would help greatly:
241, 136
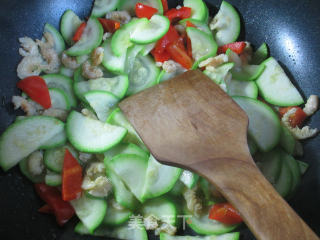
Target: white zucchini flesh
91, 211
69, 25
90, 39
162, 208
198, 9
242, 88
95, 136
57, 140
59, 99
149, 31
226, 24
101, 7
102, 103
275, 86
117, 85
25, 136
123, 165
58, 40
160, 178
264, 124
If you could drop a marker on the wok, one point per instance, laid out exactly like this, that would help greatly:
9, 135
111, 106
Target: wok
290, 28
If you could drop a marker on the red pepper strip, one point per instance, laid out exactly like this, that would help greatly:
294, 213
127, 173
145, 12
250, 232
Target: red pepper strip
236, 47
51, 195
109, 25
165, 5
46, 209
71, 177
225, 213
78, 33
161, 57
190, 24
145, 11
171, 36
189, 47
295, 119
178, 14
180, 55
36, 88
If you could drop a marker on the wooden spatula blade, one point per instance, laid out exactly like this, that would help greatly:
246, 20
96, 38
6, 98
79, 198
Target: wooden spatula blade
190, 122
188, 119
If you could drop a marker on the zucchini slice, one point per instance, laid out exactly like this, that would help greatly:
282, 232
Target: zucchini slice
206, 226
59, 99
26, 136
121, 193
69, 25
149, 31
242, 88
117, 118
91, 211
56, 141
59, 44
260, 54
125, 148
62, 82
116, 85
203, 45
90, 39
226, 24
53, 179
116, 217
264, 124
95, 136
101, 7
113, 63
53, 158
120, 41
275, 86
189, 179
144, 74
160, 179
123, 164
101, 102
162, 208
199, 9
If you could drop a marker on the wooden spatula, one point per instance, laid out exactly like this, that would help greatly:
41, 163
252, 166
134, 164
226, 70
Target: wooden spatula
191, 123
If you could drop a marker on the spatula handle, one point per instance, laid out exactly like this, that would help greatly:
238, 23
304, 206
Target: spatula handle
264, 211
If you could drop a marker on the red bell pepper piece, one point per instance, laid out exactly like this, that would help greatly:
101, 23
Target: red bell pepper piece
165, 5
161, 57
145, 11
78, 33
236, 47
36, 88
109, 25
179, 55
190, 24
51, 195
295, 119
71, 177
46, 209
171, 36
225, 213
178, 14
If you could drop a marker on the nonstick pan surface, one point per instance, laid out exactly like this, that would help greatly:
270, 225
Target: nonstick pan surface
291, 28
